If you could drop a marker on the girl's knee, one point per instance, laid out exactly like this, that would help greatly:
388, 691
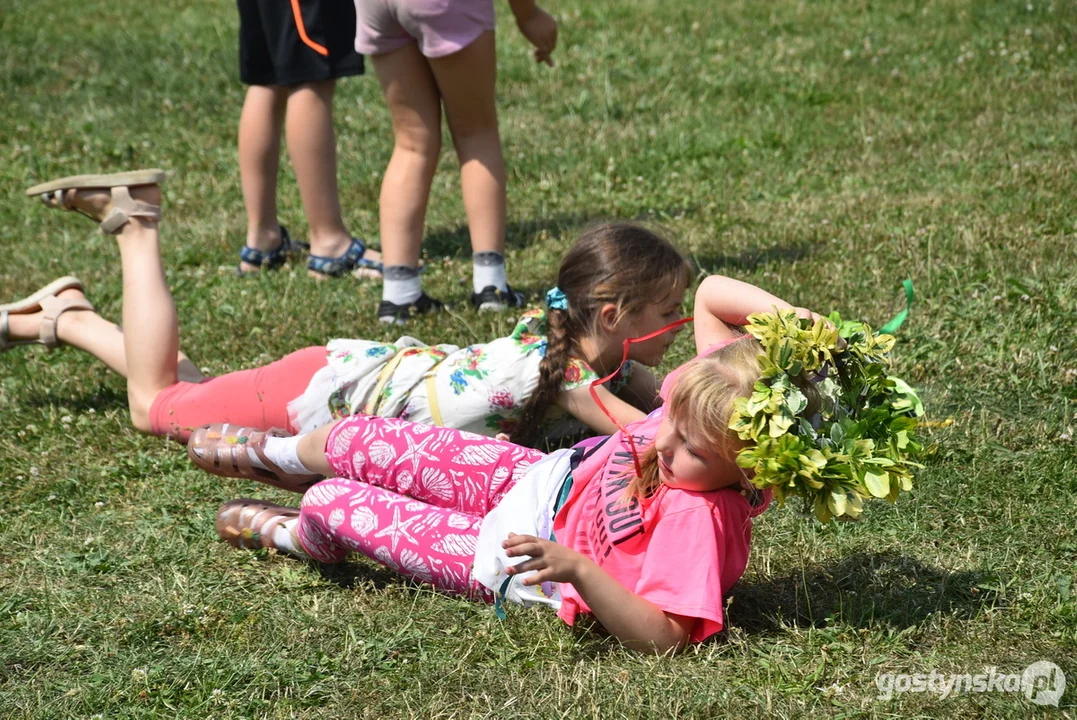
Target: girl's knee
141, 422
141, 410
323, 493
477, 142
423, 143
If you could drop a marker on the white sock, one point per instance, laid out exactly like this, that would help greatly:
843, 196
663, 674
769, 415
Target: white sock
400, 284
488, 268
284, 453
285, 538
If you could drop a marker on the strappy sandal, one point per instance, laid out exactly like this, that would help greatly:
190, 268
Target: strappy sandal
272, 259
249, 524
221, 449
123, 207
351, 262
53, 307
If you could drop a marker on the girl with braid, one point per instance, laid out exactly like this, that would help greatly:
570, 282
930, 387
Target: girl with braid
618, 281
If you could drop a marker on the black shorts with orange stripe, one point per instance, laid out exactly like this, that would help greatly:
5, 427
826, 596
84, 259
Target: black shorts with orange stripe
290, 42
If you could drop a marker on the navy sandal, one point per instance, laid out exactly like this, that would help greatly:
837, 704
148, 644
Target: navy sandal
274, 258
351, 262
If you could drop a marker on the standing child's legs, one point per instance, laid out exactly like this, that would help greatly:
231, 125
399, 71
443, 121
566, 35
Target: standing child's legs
415, 108
467, 83
291, 54
312, 150
260, 126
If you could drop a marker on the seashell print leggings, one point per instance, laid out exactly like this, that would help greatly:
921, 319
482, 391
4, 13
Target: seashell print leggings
411, 497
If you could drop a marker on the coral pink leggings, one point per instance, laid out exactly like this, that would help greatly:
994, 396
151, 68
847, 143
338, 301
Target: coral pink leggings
412, 497
256, 398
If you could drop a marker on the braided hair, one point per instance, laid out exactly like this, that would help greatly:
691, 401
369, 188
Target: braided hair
623, 264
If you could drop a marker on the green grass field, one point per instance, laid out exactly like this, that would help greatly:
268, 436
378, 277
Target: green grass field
823, 150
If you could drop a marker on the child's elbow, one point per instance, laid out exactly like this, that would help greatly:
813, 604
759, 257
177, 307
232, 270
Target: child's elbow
670, 641
711, 284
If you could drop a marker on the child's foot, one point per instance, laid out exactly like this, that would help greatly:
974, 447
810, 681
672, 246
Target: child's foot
356, 260
390, 312
493, 298
240, 452
35, 323
251, 524
253, 260
111, 200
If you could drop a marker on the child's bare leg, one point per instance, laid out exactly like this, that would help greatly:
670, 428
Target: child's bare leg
151, 328
151, 337
311, 450
466, 81
313, 151
93, 334
415, 107
260, 126
83, 329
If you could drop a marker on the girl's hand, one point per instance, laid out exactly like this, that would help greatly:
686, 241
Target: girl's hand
816, 317
540, 29
808, 314
554, 563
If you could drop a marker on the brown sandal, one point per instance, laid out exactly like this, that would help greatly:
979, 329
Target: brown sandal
221, 449
249, 524
53, 307
58, 194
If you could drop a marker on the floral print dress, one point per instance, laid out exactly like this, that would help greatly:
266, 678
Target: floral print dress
479, 388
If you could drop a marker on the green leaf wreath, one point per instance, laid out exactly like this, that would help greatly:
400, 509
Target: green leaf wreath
826, 422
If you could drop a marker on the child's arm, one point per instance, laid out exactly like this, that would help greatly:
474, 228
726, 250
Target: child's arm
580, 404
642, 389
538, 26
636, 622
722, 302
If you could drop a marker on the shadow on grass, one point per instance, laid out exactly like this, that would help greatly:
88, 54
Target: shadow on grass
752, 259
456, 241
864, 590
105, 398
355, 572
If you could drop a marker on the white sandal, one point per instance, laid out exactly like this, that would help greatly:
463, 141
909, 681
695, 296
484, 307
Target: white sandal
123, 207
53, 307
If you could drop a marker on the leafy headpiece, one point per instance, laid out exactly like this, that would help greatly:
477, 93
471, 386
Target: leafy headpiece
826, 422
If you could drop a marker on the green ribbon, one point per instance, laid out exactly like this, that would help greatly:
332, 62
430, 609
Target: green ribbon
896, 321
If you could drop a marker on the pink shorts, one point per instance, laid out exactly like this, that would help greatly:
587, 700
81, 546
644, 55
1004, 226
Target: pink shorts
441, 27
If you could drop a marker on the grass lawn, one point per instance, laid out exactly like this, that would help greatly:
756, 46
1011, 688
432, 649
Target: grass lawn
823, 150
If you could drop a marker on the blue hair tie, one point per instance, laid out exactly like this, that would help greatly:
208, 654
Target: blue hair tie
556, 299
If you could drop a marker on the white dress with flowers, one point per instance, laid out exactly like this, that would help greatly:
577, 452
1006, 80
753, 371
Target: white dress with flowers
480, 388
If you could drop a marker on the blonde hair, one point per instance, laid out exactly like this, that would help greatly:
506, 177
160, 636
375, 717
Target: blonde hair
702, 398
622, 263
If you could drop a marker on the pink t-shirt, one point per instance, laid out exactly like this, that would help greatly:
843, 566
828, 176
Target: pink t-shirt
679, 549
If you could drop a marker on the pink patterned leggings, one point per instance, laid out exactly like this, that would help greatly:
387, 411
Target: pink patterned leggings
411, 497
